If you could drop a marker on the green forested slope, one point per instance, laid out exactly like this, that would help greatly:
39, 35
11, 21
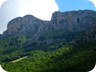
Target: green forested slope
65, 59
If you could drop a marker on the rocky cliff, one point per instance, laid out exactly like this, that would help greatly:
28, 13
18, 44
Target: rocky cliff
70, 21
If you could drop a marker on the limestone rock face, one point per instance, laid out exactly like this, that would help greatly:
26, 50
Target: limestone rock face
27, 24
73, 21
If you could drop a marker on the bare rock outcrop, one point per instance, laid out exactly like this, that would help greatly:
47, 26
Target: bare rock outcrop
72, 21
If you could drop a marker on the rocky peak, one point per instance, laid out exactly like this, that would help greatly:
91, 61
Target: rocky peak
73, 21
24, 24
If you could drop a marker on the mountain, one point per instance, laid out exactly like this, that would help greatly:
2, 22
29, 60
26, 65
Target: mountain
63, 27
70, 37
73, 21
69, 21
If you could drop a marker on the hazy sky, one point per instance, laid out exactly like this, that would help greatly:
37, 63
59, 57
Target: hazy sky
42, 9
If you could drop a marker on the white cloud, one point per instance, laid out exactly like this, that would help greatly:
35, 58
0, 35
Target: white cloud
42, 9
94, 2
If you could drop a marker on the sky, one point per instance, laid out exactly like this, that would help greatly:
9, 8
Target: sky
68, 5
41, 9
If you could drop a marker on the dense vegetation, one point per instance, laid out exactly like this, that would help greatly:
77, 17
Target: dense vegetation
10, 47
65, 59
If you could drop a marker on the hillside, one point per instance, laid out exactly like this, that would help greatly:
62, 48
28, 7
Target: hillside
66, 43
